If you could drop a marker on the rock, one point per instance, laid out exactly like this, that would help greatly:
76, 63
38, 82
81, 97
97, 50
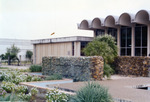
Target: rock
77, 68
137, 65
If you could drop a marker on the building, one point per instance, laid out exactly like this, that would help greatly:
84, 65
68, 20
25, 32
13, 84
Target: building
64, 46
24, 45
132, 31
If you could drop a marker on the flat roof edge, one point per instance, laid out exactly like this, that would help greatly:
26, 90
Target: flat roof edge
62, 39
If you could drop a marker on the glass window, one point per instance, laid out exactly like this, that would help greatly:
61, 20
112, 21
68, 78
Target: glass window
128, 51
123, 37
138, 36
83, 45
137, 51
140, 40
126, 37
123, 52
144, 51
144, 36
113, 32
72, 48
100, 32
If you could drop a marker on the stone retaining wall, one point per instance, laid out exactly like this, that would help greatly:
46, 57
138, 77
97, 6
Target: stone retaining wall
127, 65
77, 68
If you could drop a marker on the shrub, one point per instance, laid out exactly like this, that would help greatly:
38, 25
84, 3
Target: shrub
35, 68
36, 78
10, 97
29, 78
24, 97
56, 96
92, 92
8, 86
54, 77
34, 91
2, 92
21, 89
19, 78
104, 46
107, 70
9, 75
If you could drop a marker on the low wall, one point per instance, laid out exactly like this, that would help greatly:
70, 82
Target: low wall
127, 65
77, 68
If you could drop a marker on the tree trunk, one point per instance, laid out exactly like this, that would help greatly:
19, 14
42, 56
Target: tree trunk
9, 62
18, 61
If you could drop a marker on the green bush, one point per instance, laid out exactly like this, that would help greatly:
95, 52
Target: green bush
21, 89
107, 70
54, 77
2, 92
36, 78
56, 96
8, 86
92, 92
106, 47
24, 97
35, 68
29, 78
9, 98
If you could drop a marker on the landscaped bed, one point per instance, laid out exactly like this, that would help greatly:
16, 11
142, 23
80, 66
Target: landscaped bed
12, 89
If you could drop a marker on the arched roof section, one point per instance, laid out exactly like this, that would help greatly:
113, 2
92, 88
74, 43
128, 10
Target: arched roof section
110, 21
96, 23
142, 17
85, 24
125, 19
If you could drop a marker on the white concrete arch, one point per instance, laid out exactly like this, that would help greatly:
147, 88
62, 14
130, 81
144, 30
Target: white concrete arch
126, 19
110, 21
85, 24
142, 17
96, 23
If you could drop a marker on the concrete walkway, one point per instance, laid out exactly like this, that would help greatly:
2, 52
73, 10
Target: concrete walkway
120, 88
16, 67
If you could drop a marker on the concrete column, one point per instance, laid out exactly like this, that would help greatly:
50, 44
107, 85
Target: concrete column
77, 48
34, 54
94, 33
106, 30
118, 39
148, 39
132, 41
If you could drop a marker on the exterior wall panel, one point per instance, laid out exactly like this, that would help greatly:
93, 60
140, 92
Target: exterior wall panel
52, 49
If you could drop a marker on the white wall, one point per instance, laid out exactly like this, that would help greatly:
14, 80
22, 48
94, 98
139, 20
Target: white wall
24, 45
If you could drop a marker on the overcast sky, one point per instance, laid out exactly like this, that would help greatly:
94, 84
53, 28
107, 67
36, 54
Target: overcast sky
37, 19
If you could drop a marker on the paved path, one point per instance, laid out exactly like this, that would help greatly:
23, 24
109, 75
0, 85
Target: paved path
122, 88
16, 67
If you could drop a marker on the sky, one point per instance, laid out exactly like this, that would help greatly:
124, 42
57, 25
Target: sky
38, 19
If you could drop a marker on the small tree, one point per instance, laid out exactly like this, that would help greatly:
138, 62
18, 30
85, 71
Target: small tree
29, 55
12, 53
104, 46
2, 56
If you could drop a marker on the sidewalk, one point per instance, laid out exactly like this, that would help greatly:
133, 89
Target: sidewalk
16, 67
120, 88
